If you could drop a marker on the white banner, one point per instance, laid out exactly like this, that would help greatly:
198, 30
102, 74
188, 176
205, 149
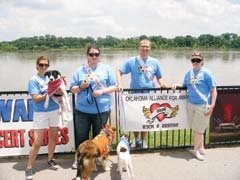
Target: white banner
16, 133
154, 111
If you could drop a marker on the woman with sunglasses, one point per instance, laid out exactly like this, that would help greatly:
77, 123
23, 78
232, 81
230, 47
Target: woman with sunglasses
93, 83
202, 95
42, 118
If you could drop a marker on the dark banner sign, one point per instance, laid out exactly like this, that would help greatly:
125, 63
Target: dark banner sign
225, 120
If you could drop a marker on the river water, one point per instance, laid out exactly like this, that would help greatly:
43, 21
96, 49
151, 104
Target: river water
17, 68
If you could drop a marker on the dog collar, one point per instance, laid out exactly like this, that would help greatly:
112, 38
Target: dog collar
125, 140
110, 133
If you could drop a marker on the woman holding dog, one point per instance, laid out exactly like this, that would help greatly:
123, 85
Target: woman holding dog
43, 118
202, 95
93, 83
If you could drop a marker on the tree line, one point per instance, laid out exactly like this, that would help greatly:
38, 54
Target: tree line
50, 42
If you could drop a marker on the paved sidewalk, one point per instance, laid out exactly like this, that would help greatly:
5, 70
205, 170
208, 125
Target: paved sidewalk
219, 164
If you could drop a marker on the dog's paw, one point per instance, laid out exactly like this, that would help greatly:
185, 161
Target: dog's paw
107, 168
45, 105
95, 169
78, 178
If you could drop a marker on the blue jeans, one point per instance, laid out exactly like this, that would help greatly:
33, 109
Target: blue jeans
84, 122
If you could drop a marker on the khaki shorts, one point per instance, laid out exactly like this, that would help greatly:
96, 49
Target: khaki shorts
42, 120
196, 118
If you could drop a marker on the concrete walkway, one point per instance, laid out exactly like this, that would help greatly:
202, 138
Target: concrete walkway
219, 164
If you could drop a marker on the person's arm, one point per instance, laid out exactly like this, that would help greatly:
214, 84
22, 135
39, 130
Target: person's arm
213, 102
38, 97
162, 83
107, 90
76, 89
119, 80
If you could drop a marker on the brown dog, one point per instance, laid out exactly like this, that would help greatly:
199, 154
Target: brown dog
88, 151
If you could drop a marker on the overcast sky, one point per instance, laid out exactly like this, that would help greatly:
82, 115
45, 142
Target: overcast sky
118, 18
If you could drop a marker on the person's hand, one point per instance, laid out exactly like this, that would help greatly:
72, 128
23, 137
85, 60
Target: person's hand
209, 110
84, 84
119, 88
174, 86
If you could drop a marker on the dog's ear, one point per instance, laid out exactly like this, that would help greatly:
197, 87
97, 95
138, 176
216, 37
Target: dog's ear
47, 73
114, 129
58, 72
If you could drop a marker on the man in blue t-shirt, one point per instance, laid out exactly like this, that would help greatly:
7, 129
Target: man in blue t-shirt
145, 73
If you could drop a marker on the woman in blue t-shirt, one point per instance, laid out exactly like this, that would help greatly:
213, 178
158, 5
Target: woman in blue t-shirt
202, 95
43, 118
93, 83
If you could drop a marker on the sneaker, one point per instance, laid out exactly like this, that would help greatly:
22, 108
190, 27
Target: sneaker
202, 151
144, 145
135, 142
198, 155
29, 174
75, 165
53, 165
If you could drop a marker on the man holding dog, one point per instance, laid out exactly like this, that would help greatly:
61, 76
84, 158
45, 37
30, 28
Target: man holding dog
145, 73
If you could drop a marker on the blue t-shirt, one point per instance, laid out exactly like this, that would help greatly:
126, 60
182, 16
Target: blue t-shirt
38, 85
85, 102
139, 79
204, 82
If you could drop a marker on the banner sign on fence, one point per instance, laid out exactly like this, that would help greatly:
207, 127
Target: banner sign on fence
154, 111
225, 120
16, 133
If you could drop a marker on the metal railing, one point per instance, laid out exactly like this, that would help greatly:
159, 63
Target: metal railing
168, 139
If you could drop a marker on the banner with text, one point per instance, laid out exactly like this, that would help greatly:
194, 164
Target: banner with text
16, 133
154, 111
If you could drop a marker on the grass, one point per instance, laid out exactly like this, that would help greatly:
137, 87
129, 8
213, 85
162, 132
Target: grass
168, 139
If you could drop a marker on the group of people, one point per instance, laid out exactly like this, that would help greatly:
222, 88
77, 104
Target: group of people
93, 83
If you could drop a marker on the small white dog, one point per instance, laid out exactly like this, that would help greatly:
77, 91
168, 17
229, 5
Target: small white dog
58, 92
124, 157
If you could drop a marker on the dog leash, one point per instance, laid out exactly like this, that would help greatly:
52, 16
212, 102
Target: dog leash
95, 100
118, 114
120, 104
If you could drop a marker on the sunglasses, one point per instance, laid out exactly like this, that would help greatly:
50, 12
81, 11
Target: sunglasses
196, 60
41, 65
93, 54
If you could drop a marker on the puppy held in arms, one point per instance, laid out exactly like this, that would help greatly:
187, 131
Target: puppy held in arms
88, 152
124, 157
58, 92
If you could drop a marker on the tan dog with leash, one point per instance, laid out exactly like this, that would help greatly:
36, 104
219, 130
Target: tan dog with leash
88, 152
